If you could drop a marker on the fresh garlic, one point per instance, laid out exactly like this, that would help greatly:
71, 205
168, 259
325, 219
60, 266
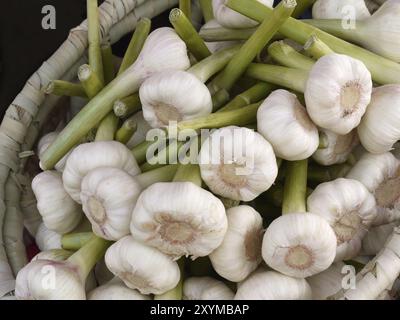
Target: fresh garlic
340, 9
380, 174
240, 251
380, 127
47, 239
338, 149
165, 98
44, 143
180, 219
271, 285
237, 163
349, 208
206, 288
284, 122
89, 156
232, 19
217, 45
376, 238
142, 128
328, 282
299, 244
141, 267
59, 212
115, 290
346, 85
108, 197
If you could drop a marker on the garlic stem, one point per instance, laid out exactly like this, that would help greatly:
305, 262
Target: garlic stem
75, 241
316, 48
108, 64
186, 7
239, 63
295, 189
89, 80
65, 88
225, 34
188, 173
127, 130
188, 33
94, 51
163, 174
302, 6
127, 106
323, 141
383, 70
107, 128
139, 151
324, 174
219, 99
206, 8
173, 150
287, 56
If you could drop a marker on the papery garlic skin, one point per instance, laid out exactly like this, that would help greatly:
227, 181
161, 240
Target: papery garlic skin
141, 267
180, 219
349, 208
271, 285
49, 280
60, 213
47, 239
284, 122
379, 129
299, 245
380, 174
206, 288
44, 143
115, 290
376, 238
232, 19
216, 45
142, 128
108, 197
89, 156
340, 9
165, 98
240, 251
338, 92
338, 149
237, 163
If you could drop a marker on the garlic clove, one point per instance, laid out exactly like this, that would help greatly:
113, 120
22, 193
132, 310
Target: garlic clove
240, 252
349, 208
47, 239
180, 219
142, 128
115, 289
340, 9
206, 288
346, 85
60, 213
141, 267
237, 163
44, 143
284, 122
89, 156
299, 245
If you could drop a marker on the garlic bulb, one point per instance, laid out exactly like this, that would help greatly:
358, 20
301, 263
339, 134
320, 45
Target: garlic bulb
284, 122
299, 244
349, 208
47, 239
89, 156
142, 128
328, 282
44, 143
240, 251
108, 197
115, 290
206, 288
164, 98
141, 267
340, 9
180, 219
271, 285
380, 174
217, 45
346, 85
338, 149
232, 19
380, 127
59, 212
237, 163
376, 238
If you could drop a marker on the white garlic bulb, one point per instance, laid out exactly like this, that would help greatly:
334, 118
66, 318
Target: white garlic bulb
240, 252
216, 45
338, 149
237, 163
349, 208
115, 289
47, 239
44, 143
89, 156
232, 19
141, 267
380, 174
60, 213
376, 238
206, 288
284, 122
165, 98
142, 128
271, 285
180, 219
338, 92
299, 244
380, 127
340, 9
108, 197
